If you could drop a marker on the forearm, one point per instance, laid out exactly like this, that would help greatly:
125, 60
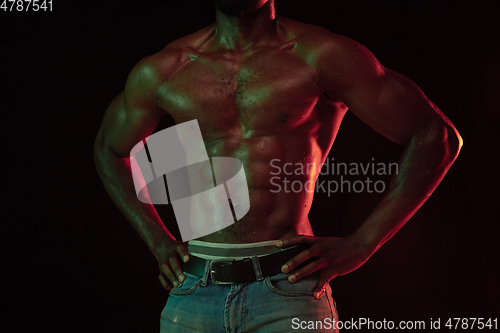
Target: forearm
115, 173
425, 160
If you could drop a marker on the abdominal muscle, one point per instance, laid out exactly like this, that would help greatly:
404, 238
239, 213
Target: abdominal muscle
275, 211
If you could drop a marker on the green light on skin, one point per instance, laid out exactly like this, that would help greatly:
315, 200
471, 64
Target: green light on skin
309, 57
176, 100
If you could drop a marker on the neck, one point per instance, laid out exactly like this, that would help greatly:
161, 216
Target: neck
248, 30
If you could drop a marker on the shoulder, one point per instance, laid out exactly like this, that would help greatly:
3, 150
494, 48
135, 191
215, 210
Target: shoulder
160, 66
334, 55
153, 69
149, 73
142, 81
341, 52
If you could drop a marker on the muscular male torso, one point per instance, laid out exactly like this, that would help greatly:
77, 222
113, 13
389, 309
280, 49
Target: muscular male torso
259, 105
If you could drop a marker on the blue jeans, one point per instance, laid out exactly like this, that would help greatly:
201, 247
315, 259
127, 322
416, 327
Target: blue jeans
270, 305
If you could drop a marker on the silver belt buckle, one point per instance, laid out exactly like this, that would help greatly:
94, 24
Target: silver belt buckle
212, 271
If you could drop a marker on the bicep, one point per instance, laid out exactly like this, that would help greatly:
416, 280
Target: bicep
133, 115
125, 124
393, 106
386, 101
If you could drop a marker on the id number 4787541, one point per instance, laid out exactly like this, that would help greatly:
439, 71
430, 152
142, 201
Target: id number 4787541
26, 5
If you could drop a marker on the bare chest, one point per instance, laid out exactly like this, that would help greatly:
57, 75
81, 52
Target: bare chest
269, 89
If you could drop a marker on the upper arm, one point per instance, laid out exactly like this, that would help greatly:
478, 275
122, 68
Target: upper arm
134, 113
388, 102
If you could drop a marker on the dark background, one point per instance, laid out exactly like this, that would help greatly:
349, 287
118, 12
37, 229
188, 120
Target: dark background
75, 265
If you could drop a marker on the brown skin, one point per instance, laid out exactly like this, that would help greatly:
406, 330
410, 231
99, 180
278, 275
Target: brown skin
264, 87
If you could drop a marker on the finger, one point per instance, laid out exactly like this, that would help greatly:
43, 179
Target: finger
297, 261
177, 269
295, 240
320, 288
303, 272
165, 283
183, 252
167, 271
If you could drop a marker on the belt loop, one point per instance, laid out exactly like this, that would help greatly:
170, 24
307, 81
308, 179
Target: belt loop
256, 268
206, 271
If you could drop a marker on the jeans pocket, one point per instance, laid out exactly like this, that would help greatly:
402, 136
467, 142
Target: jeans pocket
279, 284
188, 286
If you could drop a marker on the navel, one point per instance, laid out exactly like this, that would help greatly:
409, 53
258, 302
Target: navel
284, 118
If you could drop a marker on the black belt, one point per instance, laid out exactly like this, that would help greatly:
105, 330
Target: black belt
237, 271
